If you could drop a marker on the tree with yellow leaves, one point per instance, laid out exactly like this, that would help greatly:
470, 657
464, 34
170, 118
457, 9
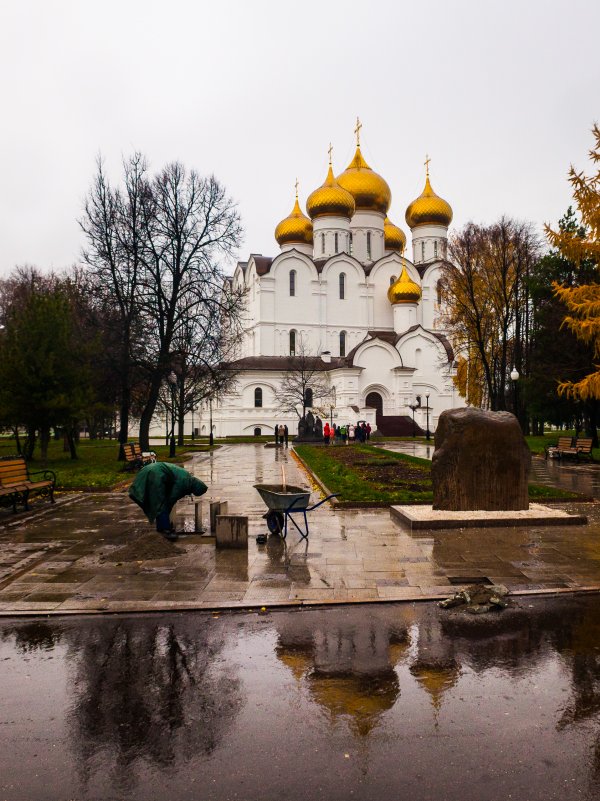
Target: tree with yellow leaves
581, 246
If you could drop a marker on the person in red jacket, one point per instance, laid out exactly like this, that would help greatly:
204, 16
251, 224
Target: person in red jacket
326, 433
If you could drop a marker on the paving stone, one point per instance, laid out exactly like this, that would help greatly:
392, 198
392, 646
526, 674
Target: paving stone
351, 555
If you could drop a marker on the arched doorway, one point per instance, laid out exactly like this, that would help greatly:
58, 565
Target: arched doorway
375, 401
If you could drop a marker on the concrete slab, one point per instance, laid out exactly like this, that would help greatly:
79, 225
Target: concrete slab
426, 517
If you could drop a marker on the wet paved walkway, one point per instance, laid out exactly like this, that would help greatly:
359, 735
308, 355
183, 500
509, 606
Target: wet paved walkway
67, 560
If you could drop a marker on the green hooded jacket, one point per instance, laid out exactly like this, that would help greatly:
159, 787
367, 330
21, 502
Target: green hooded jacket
159, 486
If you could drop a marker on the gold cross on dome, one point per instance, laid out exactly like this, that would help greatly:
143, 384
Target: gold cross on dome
296, 185
357, 131
427, 160
330, 151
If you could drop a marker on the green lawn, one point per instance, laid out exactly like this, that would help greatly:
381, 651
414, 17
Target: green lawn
365, 474
96, 468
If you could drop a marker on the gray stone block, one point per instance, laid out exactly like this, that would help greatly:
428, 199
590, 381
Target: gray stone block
232, 531
481, 462
216, 508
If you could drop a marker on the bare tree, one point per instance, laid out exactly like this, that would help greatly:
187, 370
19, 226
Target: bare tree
156, 250
114, 226
304, 384
190, 225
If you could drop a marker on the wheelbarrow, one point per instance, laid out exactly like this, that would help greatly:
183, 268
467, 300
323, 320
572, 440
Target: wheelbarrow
283, 501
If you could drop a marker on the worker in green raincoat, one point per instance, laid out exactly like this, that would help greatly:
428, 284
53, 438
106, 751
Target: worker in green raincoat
158, 487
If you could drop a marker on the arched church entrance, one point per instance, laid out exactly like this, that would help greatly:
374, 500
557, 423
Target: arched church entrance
375, 401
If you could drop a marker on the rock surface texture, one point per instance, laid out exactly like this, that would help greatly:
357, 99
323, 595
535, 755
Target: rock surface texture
481, 461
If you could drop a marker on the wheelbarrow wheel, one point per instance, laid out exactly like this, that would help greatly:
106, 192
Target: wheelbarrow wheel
275, 522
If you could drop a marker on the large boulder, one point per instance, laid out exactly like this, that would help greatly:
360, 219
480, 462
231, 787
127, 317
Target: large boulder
481, 461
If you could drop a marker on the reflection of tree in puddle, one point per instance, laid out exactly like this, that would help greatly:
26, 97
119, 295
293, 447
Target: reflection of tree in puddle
347, 667
147, 692
584, 656
33, 637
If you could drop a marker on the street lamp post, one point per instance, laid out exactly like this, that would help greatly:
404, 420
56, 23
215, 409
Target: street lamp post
413, 406
514, 377
211, 438
332, 405
172, 378
427, 432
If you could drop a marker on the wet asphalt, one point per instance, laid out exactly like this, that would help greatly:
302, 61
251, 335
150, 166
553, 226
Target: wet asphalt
401, 701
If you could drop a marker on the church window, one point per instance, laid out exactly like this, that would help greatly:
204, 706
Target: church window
438, 289
292, 342
258, 397
350, 244
422, 251
322, 243
342, 343
435, 252
308, 397
292, 283
336, 240
257, 432
342, 286
368, 244
444, 248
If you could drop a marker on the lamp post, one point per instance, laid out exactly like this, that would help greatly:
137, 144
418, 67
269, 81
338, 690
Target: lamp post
514, 377
427, 432
332, 405
412, 406
172, 379
211, 438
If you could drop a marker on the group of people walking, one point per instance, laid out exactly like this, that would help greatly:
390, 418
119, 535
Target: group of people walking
281, 435
361, 432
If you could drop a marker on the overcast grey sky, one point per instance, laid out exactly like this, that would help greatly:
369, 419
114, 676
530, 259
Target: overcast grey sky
502, 95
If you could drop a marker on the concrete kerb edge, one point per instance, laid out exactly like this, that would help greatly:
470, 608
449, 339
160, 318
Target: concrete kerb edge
288, 605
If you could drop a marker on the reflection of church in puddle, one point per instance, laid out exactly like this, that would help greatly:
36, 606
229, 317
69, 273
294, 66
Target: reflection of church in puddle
343, 290
351, 670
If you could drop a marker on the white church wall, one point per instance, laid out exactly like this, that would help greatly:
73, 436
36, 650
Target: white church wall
429, 242
380, 280
362, 224
378, 360
430, 309
330, 236
352, 309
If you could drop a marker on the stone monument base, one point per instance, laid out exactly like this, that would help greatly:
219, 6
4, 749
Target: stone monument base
426, 517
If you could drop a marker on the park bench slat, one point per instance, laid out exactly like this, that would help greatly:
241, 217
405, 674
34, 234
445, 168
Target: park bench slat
16, 483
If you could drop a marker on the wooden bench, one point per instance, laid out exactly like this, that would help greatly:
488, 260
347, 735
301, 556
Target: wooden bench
564, 447
135, 458
17, 484
584, 447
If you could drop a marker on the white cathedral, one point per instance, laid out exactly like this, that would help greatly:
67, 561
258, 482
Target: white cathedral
342, 290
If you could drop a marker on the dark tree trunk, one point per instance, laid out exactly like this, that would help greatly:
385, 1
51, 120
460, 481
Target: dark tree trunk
17, 440
71, 440
29, 446
123, 422
44, 440
181, 412
148, 412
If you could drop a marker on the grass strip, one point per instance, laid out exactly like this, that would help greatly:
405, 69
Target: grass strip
365, 474
96, 467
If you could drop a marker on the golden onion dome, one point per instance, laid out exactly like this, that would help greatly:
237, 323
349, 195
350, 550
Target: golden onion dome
296, 228
404, 289
369, 190
394, 237
330, 200
428, 209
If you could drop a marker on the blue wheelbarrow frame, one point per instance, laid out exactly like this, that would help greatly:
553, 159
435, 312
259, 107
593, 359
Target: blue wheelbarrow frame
283, 505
